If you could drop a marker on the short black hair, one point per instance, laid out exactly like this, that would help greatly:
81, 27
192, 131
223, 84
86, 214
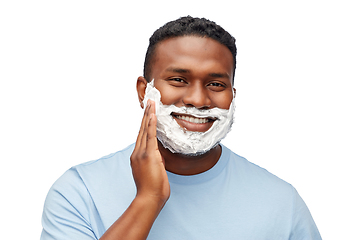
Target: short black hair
188, 26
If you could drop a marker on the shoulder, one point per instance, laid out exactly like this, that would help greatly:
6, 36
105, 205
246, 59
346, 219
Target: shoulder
67, 204
271, 194
69, 188
96, 173
251, 170
74, 182
70, 200
257, 179
107, 162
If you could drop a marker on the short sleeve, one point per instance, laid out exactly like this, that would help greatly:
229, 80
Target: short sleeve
66, 210
303, 225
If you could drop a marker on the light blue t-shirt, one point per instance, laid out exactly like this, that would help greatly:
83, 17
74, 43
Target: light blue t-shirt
233, 200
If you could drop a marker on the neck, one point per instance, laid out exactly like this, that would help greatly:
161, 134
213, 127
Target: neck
189, 165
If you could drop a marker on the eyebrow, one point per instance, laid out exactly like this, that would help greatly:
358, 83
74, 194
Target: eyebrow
182, 70
219, 75
177, 70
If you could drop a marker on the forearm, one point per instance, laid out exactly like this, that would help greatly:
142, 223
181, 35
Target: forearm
136, 221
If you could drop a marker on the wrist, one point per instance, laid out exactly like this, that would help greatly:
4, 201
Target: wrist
151, 200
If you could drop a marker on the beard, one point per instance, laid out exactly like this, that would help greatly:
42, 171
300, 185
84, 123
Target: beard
179, 140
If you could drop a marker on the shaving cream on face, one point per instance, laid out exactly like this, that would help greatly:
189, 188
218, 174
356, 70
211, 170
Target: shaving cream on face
179, 140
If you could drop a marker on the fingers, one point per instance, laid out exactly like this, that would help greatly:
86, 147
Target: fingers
142, 127
151, 131
151, 135
148, 126
145, 127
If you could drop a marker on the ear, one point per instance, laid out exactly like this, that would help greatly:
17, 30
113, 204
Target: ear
234, 91
141, 87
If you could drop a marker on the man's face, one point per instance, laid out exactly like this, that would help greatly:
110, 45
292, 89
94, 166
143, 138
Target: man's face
194, 72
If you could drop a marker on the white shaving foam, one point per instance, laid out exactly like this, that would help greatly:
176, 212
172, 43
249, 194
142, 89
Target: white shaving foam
179, 140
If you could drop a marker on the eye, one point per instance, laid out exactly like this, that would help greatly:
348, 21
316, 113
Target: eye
216, 86
177, 82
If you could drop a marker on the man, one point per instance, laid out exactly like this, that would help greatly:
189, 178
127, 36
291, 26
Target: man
177, 181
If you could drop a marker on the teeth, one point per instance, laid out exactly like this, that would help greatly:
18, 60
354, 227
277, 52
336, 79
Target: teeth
193, 119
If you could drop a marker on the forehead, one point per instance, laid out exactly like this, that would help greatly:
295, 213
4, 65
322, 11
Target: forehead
192, 52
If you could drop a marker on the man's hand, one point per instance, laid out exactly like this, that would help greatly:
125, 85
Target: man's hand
147, 164
153, 189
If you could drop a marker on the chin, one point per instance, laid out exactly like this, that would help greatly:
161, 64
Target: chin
197, 154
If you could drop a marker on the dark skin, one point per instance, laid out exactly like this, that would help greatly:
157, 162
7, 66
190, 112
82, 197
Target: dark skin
188, 71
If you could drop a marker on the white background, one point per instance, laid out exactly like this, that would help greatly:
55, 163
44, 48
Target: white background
67, 95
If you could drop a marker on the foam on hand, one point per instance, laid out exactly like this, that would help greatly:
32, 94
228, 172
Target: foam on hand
153, 94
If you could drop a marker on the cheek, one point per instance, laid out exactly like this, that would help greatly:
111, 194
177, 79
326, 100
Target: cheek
223, 101
170, 96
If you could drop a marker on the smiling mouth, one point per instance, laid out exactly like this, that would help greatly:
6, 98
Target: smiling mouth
193, 119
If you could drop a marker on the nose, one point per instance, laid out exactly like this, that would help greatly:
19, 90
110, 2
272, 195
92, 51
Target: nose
197, 96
